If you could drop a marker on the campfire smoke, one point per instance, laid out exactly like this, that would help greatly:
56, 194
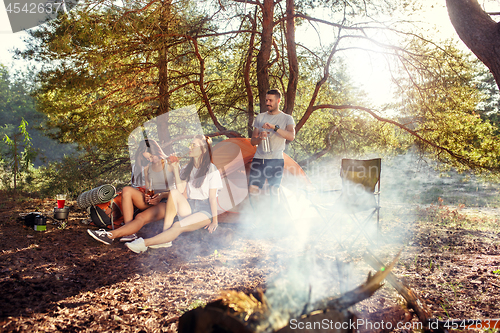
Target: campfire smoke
256, 314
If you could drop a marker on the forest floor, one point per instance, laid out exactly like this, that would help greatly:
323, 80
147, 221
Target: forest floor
61, 280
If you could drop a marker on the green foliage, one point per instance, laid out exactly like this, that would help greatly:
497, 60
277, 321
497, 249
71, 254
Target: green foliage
439, 103
489, 107
16, 104
20, 154
106, 68
76, 174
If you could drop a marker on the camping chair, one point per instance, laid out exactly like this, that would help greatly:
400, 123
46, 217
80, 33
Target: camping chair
358, 203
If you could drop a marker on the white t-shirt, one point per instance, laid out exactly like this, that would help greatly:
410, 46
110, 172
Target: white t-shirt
211, 181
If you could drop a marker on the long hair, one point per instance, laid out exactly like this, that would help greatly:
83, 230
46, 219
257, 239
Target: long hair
206, 160
150, 146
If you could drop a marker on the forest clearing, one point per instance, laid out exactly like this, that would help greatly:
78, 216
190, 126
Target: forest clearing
63, 281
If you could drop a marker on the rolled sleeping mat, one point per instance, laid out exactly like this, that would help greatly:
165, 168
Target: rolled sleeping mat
95, 196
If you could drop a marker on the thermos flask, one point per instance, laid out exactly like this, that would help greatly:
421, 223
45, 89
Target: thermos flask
266, 147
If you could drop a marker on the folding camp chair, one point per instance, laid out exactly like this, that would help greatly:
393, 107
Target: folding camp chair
357, 205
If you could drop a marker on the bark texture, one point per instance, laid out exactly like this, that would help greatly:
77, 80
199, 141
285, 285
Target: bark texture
293, 63
478, 31
265, 52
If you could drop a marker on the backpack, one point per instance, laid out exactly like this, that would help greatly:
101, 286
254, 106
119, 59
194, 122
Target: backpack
108, 214
99, 217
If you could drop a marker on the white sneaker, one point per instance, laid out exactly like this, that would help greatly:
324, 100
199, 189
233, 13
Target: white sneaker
137, 246
158, 246
128, 238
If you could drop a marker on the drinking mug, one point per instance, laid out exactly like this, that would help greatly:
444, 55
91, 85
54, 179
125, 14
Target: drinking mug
61, 199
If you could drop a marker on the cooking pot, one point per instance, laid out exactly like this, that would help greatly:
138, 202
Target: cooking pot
61, 213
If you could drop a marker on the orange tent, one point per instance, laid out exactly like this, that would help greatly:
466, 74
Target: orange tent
233, 157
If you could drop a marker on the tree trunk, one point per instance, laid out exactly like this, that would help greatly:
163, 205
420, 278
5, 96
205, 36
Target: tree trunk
293, 64
246, 77
478, 31
163, 86
266, 44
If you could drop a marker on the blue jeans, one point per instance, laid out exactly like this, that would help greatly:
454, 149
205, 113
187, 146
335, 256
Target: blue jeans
270, 169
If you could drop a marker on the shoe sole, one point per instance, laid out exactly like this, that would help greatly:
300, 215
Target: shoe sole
126, 240
160, 246
97, 238
133, 250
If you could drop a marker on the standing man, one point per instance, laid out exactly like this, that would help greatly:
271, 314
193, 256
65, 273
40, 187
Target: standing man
278, 127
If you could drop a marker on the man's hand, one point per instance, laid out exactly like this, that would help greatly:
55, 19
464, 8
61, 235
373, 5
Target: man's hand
268, 126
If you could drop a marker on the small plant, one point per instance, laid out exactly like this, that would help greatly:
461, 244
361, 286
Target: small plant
444, 306
195, 304
20, 153
454, 287
62, 225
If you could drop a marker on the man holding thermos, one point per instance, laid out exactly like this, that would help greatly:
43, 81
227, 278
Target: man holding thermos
271, 131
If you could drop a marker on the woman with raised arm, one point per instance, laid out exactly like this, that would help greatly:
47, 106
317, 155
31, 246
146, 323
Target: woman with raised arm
201, 180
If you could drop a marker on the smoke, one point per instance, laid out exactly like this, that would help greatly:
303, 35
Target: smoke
314, 234
322, 240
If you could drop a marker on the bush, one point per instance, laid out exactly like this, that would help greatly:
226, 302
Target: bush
76, 174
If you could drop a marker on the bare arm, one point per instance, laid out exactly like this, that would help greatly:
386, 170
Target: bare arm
256, 137
288, 133
212, 199
179, 183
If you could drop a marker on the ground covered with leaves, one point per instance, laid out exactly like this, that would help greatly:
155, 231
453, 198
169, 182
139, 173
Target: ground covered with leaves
63, 281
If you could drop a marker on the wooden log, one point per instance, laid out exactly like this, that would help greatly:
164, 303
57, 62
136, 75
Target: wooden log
210, 319
372, 284
413, 300
239, 313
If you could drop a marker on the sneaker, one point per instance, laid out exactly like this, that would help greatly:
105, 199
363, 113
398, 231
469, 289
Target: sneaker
128, 238
101, 235
137, 246
158, 246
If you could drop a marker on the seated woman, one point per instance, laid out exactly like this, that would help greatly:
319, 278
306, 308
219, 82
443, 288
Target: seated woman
158, 176
201, 179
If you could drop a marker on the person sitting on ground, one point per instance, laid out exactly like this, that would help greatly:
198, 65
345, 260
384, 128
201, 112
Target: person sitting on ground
201, 179
158, 176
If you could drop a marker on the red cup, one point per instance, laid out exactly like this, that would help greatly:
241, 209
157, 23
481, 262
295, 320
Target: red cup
61, 199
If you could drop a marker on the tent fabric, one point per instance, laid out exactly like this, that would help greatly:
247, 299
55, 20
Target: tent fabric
225, 157
233, 157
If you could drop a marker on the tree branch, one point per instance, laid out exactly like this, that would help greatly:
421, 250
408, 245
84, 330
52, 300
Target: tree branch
201, 84
458, 157
326, 71
328, 146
